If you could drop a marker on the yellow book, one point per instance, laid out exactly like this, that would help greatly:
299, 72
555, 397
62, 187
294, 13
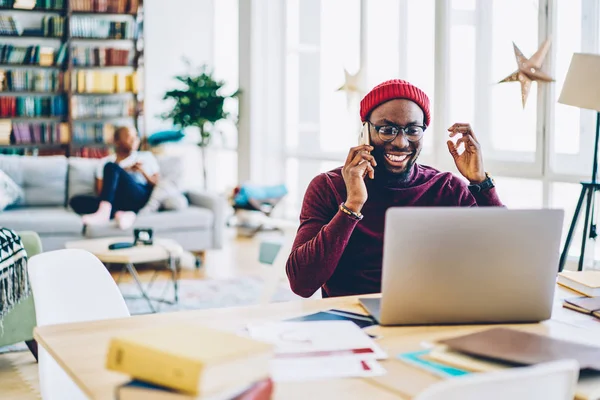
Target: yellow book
120, 83
132, 83
65, 133
192, 359
584, 282
80, 81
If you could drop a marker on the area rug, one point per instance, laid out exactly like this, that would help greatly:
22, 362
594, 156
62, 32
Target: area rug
203, 294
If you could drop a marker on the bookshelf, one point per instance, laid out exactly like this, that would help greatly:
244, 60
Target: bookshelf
97, 62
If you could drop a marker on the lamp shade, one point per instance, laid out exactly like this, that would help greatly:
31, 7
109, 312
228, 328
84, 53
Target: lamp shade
582, 84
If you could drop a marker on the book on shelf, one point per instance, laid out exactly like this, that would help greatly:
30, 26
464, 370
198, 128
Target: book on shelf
191, 359
32, 106
24, 4
31, 81
5, 131
53, 26
40, 133
90, 152
100, 56
106, 6
30, 55
93, 28
101, 107
33, 4
9, 26
103, 82
84, 133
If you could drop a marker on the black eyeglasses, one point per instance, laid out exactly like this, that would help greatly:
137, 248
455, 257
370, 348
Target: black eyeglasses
388, 133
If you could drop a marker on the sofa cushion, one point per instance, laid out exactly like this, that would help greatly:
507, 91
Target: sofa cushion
43, 179
10, 192
82, 175
43, 220
190, 218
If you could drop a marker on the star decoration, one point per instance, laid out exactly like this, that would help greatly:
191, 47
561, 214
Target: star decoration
353, 86
529, 70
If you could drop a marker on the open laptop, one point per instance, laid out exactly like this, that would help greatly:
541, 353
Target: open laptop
467, 265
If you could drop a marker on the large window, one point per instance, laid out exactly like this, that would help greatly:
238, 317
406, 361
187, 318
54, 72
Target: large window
455, 50
223, 155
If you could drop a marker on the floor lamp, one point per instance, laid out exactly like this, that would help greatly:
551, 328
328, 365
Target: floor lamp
582, 89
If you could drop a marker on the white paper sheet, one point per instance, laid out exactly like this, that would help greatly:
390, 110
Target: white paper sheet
318, 339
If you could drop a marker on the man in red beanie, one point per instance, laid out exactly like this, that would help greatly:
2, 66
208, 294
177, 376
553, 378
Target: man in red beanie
339, 245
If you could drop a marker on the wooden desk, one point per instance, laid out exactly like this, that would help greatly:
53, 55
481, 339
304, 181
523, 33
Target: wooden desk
81, 348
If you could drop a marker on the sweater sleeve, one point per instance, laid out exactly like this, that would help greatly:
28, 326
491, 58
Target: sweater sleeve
488, 198
321, 240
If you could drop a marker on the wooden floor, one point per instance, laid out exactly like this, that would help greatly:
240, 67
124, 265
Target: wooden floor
239, 257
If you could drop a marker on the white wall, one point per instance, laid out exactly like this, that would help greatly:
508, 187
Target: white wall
173, 29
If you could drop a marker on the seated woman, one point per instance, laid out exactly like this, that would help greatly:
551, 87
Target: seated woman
124, 181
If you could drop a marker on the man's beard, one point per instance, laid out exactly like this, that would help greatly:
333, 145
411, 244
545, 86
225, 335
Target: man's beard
389, 178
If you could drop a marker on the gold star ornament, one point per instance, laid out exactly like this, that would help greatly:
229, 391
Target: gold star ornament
529, 70
353, 87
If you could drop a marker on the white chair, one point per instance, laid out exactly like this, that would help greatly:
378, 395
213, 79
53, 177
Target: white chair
549, 381
273, 253
70, 286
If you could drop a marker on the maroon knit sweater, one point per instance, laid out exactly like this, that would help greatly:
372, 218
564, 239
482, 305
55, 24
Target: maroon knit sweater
343, 256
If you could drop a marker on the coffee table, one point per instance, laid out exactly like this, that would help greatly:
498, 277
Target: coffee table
165, 250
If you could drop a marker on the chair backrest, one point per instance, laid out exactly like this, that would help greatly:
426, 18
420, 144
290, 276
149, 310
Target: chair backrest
70, 286
549, 381
73, 286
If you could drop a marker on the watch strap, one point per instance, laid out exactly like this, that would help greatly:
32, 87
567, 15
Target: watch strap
487, 184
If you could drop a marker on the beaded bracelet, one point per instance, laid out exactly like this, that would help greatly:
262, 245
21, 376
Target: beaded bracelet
356, 215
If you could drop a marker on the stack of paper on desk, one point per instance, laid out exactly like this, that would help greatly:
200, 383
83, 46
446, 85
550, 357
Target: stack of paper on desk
319, 349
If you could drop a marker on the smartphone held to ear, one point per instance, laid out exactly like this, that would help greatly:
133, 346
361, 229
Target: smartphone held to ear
363, 137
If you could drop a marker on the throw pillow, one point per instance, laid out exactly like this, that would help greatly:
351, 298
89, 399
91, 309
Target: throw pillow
10, 192
167, 195
165, 136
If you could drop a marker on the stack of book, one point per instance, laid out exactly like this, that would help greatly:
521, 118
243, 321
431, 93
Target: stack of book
190, 362
103, 82
41, 133
5, 130
24, 4
500, 348
88, 27
95, 107
93, 133
53, 26
100, 56
31, 80
10, 26
28, 106
106, 6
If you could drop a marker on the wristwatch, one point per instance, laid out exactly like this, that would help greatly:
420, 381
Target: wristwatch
487, 184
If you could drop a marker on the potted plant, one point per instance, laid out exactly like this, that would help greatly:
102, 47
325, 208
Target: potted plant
198, 103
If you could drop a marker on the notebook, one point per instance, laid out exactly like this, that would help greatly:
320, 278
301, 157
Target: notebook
585, 305
361, 320
584, 282
522, 348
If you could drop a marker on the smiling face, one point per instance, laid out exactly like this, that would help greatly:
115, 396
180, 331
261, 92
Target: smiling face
398, 156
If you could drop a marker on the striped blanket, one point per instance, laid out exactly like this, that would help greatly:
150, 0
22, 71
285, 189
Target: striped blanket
14, 283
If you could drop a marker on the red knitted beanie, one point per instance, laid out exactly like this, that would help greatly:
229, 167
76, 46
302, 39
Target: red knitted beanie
394, 89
